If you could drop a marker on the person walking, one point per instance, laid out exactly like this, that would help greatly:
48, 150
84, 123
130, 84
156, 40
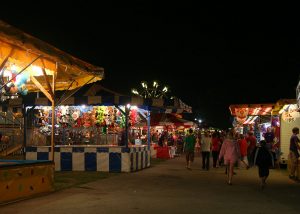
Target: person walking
243, 149
216, 146
205, 150
251, 141
294, 154
189, 148
264, 160
230, 152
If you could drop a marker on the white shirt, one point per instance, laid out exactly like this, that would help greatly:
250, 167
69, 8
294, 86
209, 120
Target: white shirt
205, 144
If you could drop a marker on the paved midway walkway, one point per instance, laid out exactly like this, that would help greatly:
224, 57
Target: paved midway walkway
170, 188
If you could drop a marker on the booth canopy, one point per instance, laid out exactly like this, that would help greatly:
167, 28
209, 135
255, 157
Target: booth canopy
168, 119
20, 50
162, 119
95, 94
243, 110
247, 113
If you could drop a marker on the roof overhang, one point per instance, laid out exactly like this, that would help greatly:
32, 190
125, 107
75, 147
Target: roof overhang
42, 60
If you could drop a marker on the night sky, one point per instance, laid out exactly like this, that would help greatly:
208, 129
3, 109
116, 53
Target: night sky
210, 56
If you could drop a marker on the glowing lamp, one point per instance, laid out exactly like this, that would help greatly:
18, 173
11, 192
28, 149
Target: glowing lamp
134, 91
144, 84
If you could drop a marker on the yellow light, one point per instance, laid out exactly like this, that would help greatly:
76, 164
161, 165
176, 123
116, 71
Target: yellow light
144, 84
36, 71
283, 109
134, 91
165, 89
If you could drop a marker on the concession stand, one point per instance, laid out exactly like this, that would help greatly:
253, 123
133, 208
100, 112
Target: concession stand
252, 117
28, 64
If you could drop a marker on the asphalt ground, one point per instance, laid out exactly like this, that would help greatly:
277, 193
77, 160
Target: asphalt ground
169, 187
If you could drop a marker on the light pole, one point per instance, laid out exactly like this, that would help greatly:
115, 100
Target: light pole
152, 91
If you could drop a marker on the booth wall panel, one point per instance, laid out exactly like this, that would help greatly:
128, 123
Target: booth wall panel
139, 156
125, 162
77, 161
114, 162
57, 161
285, 135
103, 162
43, 156
25, 181
117, 159
31, 155
66, 161
90, 161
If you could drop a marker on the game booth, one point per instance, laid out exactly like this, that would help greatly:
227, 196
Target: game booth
172, 127
252, 117
285, 116
27, 65
92, 133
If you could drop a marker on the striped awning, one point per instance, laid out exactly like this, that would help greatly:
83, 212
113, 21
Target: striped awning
153, 105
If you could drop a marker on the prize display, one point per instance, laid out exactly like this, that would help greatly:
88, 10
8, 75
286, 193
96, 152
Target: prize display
75, 125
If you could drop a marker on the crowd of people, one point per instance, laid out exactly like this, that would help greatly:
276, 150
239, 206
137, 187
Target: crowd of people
230, 149
234, 149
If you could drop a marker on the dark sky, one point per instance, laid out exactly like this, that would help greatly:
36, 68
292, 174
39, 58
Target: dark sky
210, 56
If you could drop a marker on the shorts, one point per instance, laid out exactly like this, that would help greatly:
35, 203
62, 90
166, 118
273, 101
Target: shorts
189, 156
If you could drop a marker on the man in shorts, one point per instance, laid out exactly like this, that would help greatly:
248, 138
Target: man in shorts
189, 148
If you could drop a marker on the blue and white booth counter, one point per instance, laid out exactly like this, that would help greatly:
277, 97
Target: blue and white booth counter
104, 158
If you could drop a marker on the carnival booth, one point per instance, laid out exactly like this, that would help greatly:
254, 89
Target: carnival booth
285, 117
169, 129
29, 65
93, 131
90, 136
90, 132
252, 117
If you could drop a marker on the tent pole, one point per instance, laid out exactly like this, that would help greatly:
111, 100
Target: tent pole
126, 126
53, 118
148, 129
72, 93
